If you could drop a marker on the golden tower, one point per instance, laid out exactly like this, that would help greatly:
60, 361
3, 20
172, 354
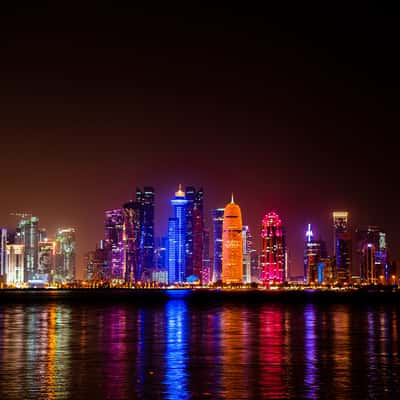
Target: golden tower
232, 244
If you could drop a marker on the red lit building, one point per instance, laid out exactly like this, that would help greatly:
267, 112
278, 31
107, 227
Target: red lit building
273, 249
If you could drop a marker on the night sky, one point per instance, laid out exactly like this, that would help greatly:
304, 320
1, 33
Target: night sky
295, 115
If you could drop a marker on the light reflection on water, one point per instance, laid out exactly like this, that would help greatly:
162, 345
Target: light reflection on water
178, 350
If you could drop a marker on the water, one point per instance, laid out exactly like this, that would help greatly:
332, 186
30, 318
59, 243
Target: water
179, 350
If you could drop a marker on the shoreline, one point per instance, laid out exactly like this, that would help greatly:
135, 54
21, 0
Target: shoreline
201, 296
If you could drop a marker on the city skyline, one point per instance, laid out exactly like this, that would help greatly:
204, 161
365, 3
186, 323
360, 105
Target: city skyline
295, 254
231, 102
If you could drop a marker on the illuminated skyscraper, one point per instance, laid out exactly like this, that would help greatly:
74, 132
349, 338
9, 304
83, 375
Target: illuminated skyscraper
3, 254
194, 232
217, 218
273, 252
206, 268
177, 239
65, 250
232, 244
342, 245
145, 200
47, 250
131, 242
372, 255
114, 244
28, 235
95, 262
247, 249
314, 256
15, 264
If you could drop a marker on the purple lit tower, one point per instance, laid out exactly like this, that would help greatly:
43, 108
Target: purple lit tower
114, 244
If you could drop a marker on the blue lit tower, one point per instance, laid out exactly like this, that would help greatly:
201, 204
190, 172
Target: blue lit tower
217, 218
314, 254
145, 200
177, 238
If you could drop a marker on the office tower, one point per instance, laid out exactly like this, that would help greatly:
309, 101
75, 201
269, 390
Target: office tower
28, 235
96, 262
247, 248
65, 251
217, 219
3, 254
273, 252
161, 253
177, 239
342, 246
232, 244
372, 255
206, 269
194, 232
145, 200
15, 264
47, 250
114, 244
131, 234
314, 254
255, 266
42, 232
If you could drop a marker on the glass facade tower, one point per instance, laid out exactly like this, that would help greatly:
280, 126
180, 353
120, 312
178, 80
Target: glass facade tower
177, 239
217, 219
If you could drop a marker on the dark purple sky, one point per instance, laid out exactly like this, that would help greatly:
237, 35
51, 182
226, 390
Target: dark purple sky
296, 115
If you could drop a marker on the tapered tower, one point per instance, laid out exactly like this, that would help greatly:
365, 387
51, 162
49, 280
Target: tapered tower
232, 244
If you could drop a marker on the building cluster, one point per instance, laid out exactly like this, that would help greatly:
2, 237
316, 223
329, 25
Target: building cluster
365, 263
28, 257
130, 254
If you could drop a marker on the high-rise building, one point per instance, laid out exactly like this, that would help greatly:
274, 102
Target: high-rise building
314, 252
173, 271
145, 201
372, 255
206, 269
3, 254
131, 233
28, 235
255, 266
273, 252
47, 251
232, 244
161, 253
65, 255
114, 244
15, 264
217, 219
342, 246
96, 264
177, 239
247, 249
194, 232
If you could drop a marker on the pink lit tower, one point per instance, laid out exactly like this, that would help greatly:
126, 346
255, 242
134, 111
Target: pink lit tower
273, 252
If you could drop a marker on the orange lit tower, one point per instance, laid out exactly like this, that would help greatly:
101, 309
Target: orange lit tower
232, 244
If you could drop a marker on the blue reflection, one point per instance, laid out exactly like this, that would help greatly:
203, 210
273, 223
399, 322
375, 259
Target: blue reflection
176, 350
310, 378
177, 293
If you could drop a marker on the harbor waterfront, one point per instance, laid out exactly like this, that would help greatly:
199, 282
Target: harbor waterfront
208, 344
204, 295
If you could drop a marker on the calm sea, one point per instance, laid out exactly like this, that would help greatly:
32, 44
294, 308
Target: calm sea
179, 350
